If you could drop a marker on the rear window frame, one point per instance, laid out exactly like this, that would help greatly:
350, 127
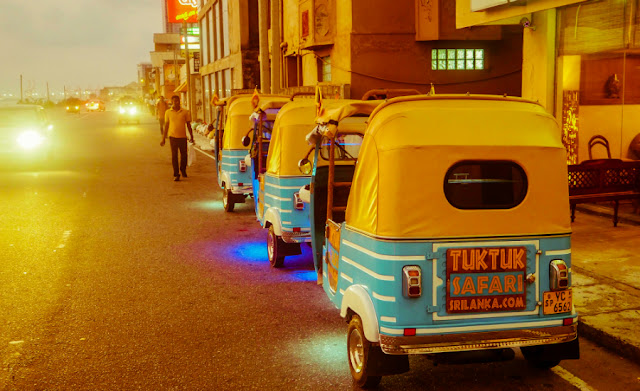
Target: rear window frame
448, 191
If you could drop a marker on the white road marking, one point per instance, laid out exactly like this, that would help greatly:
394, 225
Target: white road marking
65, 237
572, 379
204, 153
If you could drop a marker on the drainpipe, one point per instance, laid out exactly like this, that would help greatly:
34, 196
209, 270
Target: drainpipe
265, 77
275, 46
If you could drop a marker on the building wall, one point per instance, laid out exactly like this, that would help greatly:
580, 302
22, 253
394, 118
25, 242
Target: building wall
374, 45
238, 68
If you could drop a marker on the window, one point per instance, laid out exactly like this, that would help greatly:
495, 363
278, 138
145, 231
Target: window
347, 146
457, 59
225, 28
212, 36
204, 40
324, 65
485, 185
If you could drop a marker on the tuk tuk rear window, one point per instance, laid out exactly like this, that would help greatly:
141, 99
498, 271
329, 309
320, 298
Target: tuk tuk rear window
485, 185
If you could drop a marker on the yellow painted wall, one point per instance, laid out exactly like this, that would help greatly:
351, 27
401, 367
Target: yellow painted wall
619, 124
539, 61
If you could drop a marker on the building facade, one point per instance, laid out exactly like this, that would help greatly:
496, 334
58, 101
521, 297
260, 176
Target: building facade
229, 48
359, 45
581, 61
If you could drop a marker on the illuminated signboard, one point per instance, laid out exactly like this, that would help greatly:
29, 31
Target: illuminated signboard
179, 11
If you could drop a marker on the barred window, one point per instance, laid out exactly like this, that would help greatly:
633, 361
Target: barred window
457, 59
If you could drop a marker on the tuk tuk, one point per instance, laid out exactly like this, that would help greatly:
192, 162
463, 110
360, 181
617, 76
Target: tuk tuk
233, 177
263, 120
453, 236
279, 206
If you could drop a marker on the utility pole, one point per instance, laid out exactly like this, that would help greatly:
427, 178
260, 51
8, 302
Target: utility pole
263, 32
275, 46
48, 99
21, 97
188, 68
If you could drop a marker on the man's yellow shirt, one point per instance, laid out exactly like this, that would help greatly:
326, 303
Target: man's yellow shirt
177, 121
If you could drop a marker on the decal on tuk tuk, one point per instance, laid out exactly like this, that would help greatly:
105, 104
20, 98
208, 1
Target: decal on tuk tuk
486, 279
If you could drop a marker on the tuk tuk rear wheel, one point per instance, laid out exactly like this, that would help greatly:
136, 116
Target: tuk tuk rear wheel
274, 249
227, 201
358, 354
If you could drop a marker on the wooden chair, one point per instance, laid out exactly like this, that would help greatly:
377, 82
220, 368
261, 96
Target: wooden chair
599, 140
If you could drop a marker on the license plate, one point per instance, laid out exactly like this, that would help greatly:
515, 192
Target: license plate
486, 279
557, 302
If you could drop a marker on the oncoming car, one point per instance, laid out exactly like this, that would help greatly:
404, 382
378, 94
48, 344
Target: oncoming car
25, 133
128, 111
73, 106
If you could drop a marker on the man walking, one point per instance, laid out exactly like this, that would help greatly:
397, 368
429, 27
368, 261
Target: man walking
175, 121
161, 108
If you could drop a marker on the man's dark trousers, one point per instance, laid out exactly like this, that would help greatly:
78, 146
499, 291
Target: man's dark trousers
178, 144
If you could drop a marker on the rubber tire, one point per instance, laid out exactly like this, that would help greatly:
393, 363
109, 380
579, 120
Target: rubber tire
274, 249
358, 348
227, 201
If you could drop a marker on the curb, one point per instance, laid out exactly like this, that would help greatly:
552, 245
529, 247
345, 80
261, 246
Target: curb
609, 341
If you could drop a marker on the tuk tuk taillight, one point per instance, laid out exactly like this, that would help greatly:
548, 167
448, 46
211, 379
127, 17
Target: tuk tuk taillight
558, 275
411, 281
297, 201
242, 166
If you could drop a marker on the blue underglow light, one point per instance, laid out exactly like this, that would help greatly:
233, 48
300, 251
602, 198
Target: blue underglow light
303, 275
251, 251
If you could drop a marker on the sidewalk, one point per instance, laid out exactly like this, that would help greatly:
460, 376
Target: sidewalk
606, 277
606, 274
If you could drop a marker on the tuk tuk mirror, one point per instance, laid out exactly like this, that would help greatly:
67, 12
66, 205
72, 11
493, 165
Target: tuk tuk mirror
246, 141
305, 166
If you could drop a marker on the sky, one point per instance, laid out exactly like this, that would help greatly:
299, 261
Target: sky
86, 44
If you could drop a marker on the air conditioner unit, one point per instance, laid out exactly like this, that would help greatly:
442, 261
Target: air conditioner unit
317, 22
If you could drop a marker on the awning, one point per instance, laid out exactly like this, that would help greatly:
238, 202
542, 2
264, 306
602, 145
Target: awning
181, 88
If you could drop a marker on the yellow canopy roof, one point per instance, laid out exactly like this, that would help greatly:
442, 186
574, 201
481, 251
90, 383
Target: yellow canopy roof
293, 122
412, 142
237, 122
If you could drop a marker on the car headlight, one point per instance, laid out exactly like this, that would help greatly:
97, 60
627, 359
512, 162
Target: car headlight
30, 139
121, 110
132, 110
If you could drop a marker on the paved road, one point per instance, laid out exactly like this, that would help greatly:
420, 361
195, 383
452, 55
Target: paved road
114, 277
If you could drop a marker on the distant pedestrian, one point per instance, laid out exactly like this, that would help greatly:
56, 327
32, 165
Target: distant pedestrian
161, 108
177, 121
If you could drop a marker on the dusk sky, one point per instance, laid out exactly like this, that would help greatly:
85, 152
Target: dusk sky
77, 43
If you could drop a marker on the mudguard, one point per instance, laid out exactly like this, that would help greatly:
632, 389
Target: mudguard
272, 216
224, 178
357, 299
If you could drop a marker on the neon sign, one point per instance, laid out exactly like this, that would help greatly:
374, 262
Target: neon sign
179, 11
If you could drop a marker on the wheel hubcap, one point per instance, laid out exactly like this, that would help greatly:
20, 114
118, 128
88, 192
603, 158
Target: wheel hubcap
356, 350
270, 244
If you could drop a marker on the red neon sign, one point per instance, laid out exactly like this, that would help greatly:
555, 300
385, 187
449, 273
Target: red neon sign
179, 11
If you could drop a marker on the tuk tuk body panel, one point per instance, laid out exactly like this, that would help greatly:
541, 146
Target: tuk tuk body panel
236, 181
278, 194
377, 265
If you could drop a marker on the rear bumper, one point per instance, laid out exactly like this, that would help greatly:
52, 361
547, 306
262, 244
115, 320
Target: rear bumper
478, 341
296, 237
241, 189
